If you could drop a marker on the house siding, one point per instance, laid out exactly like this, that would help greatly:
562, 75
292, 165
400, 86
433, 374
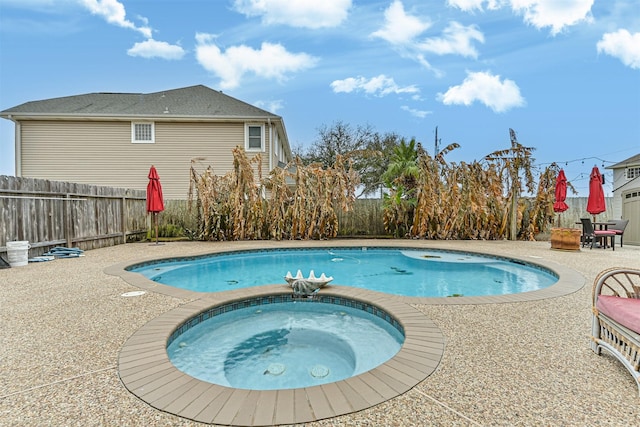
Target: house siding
627, 204
101, 152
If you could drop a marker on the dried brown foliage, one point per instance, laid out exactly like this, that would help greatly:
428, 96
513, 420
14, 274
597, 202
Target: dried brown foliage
473, 200
457, 201
295, 202
449, 201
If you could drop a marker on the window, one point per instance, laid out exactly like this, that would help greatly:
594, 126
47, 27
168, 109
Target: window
633, 172
254, 137
142, 133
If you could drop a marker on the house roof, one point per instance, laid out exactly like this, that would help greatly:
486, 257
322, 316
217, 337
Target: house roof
193, 101
631, 161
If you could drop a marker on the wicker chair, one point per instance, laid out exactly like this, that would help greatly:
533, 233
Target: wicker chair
616, 317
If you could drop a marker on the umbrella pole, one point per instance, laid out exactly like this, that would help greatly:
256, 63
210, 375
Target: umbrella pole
155, 215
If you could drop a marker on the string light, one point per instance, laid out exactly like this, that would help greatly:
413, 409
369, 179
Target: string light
581, 160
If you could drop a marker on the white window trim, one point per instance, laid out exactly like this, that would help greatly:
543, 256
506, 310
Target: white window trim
632, 172
262, 137
133, 133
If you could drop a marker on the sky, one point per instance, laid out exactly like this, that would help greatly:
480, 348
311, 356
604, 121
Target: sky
564, 75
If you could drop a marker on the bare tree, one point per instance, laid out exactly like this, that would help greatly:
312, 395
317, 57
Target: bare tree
368, 151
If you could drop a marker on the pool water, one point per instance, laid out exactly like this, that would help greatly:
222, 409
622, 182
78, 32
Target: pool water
284, 345
407, 272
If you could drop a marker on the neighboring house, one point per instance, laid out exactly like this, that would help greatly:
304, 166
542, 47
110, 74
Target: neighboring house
626, 196
112, 139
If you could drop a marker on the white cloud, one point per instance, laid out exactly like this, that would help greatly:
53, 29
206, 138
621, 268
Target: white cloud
399, 27
416, 113
553, 13
486, 88
403, 32
456, 39
556, 14
114, 13
156, 49
271, 61
622, 45
471, 5
296, 13
377, 86
270, 106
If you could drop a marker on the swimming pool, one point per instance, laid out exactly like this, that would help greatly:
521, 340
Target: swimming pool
273, 343
408, 271
145, 369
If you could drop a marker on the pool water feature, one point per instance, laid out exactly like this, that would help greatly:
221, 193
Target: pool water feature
284, 345
406, 272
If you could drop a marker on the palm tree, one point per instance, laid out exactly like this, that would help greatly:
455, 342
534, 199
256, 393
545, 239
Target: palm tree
403, 168
401, 178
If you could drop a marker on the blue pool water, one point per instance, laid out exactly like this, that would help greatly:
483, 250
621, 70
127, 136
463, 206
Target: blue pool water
408, 272
284, 345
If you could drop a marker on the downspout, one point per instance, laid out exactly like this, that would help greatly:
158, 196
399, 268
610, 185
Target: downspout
270, 144
18, 147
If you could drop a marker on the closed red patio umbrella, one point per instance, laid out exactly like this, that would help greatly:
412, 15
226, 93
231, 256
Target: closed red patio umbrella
595, 203
155, 202
561, 194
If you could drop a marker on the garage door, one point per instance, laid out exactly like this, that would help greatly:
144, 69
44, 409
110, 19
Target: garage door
631, 210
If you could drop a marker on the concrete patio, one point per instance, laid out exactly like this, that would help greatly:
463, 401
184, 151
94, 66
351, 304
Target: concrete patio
525, 363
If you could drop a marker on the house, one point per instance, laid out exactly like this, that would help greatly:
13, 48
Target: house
626, 196
112, 139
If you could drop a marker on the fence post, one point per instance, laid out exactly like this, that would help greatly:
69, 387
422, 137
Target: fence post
123, 219
67, 221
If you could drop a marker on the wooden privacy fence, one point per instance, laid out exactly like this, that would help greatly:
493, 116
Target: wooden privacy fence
364, 220
366, 217
52, 213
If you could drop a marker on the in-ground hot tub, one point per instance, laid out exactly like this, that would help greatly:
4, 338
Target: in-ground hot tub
275, 343
146, 370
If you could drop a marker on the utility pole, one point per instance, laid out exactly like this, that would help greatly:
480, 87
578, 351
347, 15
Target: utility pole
437, 145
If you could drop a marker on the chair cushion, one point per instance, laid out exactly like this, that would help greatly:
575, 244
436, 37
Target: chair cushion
625, 311
604, 233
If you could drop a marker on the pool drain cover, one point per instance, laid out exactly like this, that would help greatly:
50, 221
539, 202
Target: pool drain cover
319, 371
275, 369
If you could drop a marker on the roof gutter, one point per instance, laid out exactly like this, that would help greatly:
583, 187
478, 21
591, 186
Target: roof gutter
127, 117
18, 148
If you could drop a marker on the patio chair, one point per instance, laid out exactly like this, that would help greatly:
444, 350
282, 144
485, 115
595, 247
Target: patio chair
589, 235
616, 317
620, 225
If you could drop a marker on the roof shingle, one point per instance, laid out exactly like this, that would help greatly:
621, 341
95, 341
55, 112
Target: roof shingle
197, 101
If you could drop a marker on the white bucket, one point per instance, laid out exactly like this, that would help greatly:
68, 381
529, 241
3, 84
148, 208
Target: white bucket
18, 253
